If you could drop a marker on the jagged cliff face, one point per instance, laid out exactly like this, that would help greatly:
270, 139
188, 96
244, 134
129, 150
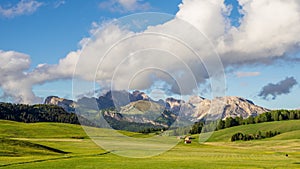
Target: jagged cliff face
236, 106
172, 103
137, 95
229, 106
120, 98
66, 104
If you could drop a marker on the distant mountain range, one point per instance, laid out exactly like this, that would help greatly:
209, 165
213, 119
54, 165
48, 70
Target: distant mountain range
138, 108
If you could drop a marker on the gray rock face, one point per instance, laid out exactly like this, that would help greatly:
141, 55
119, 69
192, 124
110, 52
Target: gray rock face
197, 108
230, 106
120, 98
67, 105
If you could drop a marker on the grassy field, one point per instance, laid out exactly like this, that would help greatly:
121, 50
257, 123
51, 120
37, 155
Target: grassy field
53, 145
288, 129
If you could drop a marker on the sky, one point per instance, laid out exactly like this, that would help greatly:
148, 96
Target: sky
45, 45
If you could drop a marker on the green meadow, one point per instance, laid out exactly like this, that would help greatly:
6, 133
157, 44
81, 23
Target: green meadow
57, 145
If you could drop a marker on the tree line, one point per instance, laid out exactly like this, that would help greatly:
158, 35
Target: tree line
274, 115
39, 113
144, 128
247, 137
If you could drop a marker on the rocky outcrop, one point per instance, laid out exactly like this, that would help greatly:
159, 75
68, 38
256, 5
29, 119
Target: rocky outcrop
67, 105
120, 98
230, 106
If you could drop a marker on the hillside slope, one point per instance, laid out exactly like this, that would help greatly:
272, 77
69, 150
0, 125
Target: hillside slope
289, 130
11, 129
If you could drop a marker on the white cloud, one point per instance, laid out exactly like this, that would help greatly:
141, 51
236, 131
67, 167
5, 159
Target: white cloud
24, 7
14, 81
123, 6
247, 74
268, 30
17, 81
260, 37
206, 15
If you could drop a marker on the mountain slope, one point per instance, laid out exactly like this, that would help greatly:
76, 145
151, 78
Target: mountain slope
231, 106
197, 107
68, 105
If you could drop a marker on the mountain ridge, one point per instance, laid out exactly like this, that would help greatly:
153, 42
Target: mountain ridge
139, 107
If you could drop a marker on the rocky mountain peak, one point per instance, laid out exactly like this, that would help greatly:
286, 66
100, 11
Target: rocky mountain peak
172, 103
120, 98
137, 95
237, 100
229, 106
195, 100
68, 105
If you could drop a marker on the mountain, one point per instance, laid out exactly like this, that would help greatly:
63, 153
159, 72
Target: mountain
222, 107
137, 107
132, 111
141, 107
108, 100
229, 106
117, 99
67, 105
143, 111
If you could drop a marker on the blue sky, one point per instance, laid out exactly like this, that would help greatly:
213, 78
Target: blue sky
50, 30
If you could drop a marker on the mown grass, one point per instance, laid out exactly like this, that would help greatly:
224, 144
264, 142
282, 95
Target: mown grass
182, 156
85, 154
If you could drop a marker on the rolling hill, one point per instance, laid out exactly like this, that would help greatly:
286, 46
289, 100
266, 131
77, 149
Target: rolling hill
289, 130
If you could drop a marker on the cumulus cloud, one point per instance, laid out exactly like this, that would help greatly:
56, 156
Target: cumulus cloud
123, 6
14, 82
17, 81
206, 15
23, 7
155, 56
246, 74
263, 35
274, 90
267, 31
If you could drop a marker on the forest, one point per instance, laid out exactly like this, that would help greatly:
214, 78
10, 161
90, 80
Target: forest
39, 113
